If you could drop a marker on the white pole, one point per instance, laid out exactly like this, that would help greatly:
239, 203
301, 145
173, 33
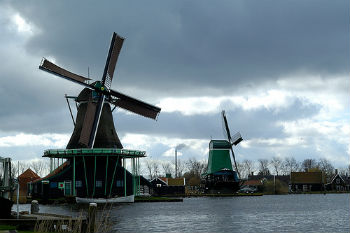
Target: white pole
17, 190
175, 163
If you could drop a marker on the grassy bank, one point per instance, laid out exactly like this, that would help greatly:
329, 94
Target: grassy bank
225, 195
9, 227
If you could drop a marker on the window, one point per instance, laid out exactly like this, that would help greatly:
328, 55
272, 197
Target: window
120, 183
98, 183
53, 185
78, 184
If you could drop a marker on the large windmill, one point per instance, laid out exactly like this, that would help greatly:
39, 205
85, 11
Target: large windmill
95, 164
220, 177
100, 93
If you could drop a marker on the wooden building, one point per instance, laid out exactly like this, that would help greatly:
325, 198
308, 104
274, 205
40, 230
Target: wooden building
95, 173
25, 185
307, 181
338, 183
168, 186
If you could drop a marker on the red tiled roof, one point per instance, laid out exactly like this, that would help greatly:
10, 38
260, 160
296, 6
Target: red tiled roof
54, 172
29, 174
252, 182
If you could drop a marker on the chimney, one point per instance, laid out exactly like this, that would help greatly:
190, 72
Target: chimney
336, 171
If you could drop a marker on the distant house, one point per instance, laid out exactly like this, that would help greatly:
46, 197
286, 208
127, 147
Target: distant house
338, 183
256, 184
168, 186
283, 178
146, 188
25, 184
307, 181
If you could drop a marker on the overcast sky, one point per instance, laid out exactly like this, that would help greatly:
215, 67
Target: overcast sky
280, 69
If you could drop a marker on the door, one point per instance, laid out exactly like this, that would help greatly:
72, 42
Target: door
67, 188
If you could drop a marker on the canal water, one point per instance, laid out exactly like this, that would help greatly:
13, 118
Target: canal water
269, 213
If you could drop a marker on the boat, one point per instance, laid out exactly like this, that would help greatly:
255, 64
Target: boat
126, 199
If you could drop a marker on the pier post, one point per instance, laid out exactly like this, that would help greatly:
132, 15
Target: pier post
92, 217
34, 207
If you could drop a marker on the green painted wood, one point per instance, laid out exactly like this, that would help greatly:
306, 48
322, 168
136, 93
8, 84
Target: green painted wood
93, 192
115, 169
74, 193
86, 182
106, 176
219, 156
66, 153
124, 165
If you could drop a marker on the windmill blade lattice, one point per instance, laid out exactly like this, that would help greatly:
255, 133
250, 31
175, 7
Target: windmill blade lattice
50, 67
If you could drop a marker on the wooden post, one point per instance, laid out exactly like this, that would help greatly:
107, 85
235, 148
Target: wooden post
34, 207
124, 177
92, 217
106, 176
74, 193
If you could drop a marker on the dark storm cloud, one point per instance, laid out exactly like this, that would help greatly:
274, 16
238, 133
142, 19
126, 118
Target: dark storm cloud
187, 44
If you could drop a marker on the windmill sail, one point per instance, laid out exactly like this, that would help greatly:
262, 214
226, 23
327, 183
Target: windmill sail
135, 105
48, 66
101, 90
113, 54
237, 139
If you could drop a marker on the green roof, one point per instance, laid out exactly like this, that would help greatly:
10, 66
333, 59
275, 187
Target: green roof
219, 144
67, 153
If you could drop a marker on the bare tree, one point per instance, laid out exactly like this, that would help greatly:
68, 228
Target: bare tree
38, 167
167, 168
326, 166
264, 167
195, 166
309, 164
248, 166
18, 167
241, 169
277, 164
155, 166
149, 167
290, 165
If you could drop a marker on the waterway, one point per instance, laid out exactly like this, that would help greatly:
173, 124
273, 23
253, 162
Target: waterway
268, 213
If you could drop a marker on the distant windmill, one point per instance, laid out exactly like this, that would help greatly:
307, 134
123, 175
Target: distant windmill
220, 177
237, 138
95, 95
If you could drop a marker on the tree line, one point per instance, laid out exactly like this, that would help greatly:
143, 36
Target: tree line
274, 166
192, 168
279, 166
40, 167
